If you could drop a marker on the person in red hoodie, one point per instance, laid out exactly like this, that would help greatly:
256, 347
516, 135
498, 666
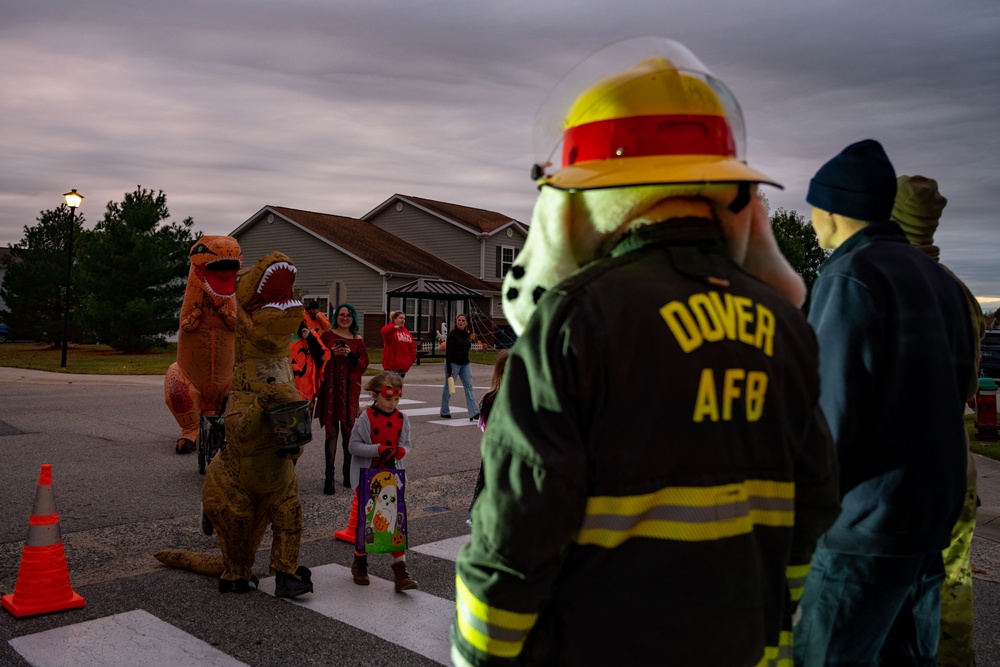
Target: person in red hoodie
398, 351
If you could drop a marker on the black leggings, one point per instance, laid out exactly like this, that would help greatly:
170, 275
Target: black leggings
330, 449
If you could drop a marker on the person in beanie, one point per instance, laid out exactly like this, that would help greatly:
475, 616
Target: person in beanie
917, 211
315, 319
656, 468
896, 355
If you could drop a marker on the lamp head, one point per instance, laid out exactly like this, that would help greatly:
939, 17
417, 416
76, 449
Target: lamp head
73, 198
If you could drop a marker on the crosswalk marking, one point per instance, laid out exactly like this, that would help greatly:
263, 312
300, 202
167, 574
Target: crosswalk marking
414, 620
461, 421
423, 412
445, 549
134, 638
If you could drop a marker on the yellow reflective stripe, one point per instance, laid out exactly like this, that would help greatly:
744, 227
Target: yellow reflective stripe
493, 631
689, 513
796, 577
778, 656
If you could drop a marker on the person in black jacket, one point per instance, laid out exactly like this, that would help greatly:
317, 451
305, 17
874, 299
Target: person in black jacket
896, 357
457, 364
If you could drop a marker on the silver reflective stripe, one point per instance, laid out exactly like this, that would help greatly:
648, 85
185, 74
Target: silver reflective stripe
797, 582
688, 514
491, 631
45, 501
44, 536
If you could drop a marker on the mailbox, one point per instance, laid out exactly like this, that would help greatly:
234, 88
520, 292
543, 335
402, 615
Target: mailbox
986, 409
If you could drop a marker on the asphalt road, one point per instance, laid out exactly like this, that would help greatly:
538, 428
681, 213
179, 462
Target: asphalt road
122, 494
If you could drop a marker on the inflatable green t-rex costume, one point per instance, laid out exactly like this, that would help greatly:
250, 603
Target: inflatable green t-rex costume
249, 486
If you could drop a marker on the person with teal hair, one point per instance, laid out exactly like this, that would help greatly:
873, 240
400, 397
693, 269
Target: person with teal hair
340, 392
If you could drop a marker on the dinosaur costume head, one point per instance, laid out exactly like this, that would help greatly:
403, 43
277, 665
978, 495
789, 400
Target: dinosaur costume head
267, 316
215, 260
656, 137
267, 313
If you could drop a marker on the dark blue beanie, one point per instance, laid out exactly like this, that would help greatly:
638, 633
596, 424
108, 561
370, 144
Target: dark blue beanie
859, 183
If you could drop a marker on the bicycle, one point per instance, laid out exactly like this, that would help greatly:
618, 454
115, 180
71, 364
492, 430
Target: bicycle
211, 437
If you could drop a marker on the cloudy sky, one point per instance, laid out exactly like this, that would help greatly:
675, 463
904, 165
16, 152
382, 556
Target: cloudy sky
333, 106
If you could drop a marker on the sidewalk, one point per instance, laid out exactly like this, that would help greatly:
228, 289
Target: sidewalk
988, 515
23, 375
433, 374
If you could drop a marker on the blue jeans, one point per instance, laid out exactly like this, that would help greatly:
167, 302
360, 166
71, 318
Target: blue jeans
868, 610
464, 373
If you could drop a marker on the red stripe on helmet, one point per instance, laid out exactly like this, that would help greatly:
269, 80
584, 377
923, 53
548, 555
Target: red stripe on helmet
643, 136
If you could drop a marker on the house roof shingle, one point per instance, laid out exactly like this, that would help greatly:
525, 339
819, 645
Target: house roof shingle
477, 220
380, 248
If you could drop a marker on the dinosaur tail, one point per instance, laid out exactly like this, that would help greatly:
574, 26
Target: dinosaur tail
193, 561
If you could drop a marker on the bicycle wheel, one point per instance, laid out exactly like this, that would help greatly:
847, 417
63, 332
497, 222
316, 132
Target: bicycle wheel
203, 445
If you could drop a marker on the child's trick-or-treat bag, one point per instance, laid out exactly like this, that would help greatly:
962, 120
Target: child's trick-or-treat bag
381, 510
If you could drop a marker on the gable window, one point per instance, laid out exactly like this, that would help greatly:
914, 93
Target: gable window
505, 259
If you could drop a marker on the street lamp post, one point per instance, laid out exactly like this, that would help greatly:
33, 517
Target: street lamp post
73, 200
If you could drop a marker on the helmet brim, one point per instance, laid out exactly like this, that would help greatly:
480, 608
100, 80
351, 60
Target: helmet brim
655, 170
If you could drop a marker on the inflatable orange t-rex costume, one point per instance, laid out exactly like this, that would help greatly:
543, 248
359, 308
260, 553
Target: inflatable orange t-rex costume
201, 377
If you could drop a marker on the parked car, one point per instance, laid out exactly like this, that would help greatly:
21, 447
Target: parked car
990, 349
4, 333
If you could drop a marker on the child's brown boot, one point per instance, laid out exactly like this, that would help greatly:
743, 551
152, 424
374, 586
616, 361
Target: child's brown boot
402, 577
359, 570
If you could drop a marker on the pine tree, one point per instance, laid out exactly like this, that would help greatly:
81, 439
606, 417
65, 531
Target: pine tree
34, 285
133, 268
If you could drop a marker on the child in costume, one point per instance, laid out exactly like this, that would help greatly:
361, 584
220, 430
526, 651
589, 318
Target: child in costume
485, 407
380, 438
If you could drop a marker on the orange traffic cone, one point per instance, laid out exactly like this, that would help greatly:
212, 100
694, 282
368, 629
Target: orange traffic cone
350, 534
43, 580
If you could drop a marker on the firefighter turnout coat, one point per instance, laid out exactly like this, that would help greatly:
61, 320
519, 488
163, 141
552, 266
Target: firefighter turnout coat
657, 469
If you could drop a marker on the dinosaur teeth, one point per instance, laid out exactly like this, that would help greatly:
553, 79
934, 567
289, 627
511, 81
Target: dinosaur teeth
284, 305
278, 266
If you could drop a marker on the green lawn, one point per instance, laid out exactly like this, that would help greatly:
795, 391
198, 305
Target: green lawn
984, 447
88, 359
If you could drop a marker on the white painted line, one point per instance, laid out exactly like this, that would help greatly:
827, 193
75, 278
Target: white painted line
423, 412
414, 620
134, 638
410, 401
446, 549
461, 421
439, 385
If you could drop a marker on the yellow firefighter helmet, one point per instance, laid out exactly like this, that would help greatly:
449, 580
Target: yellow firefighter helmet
661, 119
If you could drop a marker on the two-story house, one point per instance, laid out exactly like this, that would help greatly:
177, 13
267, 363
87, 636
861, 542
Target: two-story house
430, 259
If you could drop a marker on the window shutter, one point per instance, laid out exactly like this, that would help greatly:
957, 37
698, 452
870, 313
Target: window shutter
499, 265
